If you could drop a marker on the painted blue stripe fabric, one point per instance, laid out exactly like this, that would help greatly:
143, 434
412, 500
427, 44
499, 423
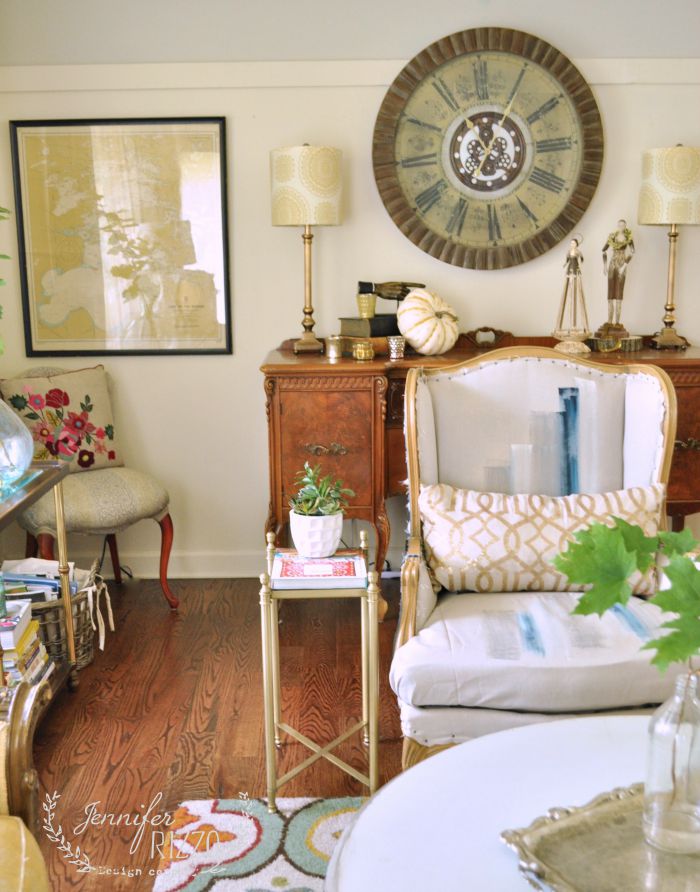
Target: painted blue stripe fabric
568, 397
530, 635
632, 621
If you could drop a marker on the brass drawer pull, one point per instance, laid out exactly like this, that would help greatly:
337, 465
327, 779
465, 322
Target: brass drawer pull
333, 449
691, 443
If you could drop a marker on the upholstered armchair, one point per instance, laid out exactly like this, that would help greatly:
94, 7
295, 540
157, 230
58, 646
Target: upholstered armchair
70, 416
508, 455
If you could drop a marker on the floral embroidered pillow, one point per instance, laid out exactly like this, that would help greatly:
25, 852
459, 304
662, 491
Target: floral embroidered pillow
69, 416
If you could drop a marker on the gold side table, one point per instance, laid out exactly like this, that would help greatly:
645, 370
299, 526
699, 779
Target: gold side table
274, 726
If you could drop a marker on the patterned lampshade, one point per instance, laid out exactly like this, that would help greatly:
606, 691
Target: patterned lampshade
306, 186
670, 191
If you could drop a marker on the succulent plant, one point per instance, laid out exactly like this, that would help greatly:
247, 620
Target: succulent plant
318, 495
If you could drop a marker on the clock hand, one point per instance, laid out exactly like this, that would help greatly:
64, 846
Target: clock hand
472, 126
487, 151
508, 108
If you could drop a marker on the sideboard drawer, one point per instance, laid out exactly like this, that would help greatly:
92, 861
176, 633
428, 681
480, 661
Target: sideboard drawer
332, 429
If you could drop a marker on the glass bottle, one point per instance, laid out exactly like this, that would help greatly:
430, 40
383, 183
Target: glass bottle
672, 789
16, 448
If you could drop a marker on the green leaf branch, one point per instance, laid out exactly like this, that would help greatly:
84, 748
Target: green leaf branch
605, 558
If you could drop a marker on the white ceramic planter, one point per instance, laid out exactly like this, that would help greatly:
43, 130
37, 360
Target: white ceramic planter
316, 536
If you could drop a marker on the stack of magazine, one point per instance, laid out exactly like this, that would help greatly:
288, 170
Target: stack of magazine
24, 657
34, 580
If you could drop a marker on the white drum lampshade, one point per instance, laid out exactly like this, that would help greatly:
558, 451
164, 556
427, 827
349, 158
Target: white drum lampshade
306, 186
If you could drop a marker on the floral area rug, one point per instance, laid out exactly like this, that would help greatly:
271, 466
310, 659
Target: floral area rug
236, 845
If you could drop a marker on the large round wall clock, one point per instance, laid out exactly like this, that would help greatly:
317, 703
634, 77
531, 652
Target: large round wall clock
488, 148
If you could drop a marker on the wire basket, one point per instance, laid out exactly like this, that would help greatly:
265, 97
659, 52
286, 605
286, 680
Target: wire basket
52, 629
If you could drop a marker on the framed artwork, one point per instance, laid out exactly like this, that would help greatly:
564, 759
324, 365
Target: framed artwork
123, 235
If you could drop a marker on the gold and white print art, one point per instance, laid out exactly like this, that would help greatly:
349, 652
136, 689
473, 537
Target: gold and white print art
306, 184
492, 542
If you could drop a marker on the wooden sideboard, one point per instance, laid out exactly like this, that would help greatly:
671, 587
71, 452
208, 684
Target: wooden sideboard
348, 416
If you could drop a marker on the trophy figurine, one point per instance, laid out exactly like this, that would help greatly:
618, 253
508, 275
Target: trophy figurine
618, 251
572, 322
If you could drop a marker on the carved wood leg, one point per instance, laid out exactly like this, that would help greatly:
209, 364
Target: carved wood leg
383, 531
166, 527
45, 541
114, 555
31, 548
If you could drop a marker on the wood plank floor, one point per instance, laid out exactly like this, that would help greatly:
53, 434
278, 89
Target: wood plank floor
173, 709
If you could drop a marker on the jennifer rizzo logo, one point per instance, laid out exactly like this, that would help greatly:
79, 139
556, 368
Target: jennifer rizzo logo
151, 831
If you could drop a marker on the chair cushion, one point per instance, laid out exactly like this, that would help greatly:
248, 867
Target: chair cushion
440, 725
101, 502
69, 415
526, 651
22, 868
491, 542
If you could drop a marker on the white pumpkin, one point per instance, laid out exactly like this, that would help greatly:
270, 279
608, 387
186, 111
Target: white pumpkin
429, 324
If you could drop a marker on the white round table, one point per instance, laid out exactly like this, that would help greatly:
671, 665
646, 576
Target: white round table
437, 826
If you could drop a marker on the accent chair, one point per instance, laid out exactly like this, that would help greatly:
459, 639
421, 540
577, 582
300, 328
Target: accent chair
508, 455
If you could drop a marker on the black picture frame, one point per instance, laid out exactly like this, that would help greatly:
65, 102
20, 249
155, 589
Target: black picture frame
122, 229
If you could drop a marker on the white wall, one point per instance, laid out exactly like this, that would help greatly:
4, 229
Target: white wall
59, 32
200, 424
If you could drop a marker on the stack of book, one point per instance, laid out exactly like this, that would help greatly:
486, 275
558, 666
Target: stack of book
376, 330
24, 657
291, 571
380, 326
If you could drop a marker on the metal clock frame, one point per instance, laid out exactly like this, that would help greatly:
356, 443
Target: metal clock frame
465, 43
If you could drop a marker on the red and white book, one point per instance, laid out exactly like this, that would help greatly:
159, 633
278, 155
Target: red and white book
289, 570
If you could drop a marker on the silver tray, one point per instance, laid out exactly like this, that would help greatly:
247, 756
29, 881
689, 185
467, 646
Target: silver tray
599, 848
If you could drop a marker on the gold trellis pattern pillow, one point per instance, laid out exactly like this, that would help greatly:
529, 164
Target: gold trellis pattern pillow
492, 542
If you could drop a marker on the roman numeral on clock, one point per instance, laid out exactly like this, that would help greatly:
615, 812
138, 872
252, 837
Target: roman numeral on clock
456, 221
481, 81
526, 210
419, 123
430, 196
543, 109
445, 94
494, 225
419, 160
547, 180
516, 85
561, 144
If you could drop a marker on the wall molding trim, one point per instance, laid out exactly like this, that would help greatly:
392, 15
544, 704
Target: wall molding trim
262, 75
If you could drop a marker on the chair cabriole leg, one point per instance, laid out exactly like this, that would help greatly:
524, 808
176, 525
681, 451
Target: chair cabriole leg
114, 556
46, 546
166, 527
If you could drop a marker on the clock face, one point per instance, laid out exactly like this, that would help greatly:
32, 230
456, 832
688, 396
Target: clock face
488, 148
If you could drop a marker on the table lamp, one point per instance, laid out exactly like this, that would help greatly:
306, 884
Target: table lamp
306, 191
670, 196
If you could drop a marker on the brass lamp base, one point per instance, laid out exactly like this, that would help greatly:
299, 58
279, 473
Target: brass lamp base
308, 343
668, 339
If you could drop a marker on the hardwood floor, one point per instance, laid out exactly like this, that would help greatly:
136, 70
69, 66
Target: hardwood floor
172, 710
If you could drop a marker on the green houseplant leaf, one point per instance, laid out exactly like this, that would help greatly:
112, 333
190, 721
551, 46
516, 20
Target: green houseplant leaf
606, 557
599, 557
